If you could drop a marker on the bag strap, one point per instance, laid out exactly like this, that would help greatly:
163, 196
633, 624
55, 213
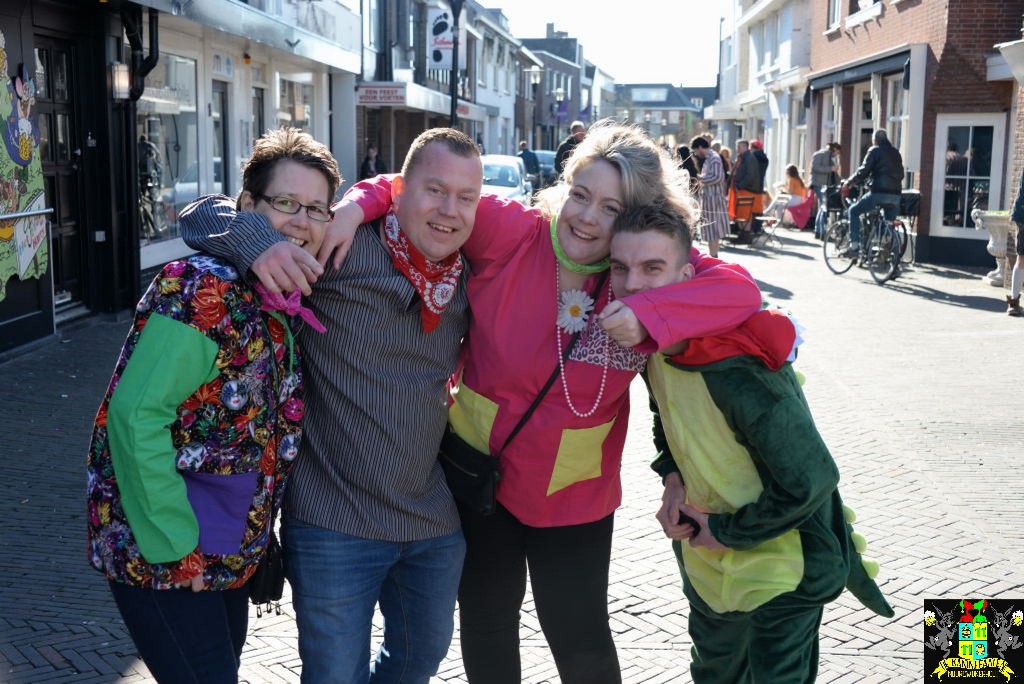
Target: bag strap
554, 375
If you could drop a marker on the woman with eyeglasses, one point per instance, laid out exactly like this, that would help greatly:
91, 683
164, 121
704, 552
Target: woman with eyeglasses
198, 429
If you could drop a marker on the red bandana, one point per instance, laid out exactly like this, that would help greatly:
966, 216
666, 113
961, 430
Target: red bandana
434, 281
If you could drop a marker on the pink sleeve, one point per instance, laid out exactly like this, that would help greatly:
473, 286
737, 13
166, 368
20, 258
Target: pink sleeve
373, 196
718, 298
499, 227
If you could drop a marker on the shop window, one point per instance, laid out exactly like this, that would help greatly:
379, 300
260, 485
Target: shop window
896, 116
798, 128
968, 168
295, 105
258, 126
828, 120
166, 131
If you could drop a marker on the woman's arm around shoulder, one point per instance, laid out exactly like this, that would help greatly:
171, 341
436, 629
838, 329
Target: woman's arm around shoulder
719, 297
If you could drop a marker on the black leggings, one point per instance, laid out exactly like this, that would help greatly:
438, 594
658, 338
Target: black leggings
569, 576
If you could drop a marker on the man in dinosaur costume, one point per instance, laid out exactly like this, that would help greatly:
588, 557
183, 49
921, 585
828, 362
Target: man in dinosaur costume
749, 483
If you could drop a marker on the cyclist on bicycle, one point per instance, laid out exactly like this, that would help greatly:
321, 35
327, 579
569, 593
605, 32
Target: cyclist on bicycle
883, 168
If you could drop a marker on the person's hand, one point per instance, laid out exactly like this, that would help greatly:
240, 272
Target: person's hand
196, 583
189, 573
340, 233
622, 325
704, 538
672, 499
285, 266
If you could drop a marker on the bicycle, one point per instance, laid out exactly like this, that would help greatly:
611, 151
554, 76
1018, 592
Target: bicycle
880, 253
153, 223
151, 215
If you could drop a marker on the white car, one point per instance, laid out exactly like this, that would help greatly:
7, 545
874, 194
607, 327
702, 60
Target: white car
505, 176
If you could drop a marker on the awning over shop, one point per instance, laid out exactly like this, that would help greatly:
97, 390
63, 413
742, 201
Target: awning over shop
861, 71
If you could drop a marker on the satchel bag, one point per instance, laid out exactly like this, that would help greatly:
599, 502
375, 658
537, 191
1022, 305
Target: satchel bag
266, 586
473, 475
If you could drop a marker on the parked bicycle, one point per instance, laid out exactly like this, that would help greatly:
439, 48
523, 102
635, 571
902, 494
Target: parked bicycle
152, 221
881, 253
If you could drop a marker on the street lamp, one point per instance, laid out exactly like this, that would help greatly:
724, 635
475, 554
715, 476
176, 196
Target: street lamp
535, 74
559, 98
456, 11
556, 112
647, 123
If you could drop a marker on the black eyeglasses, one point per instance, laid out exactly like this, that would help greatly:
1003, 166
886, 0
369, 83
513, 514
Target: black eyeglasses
287, 205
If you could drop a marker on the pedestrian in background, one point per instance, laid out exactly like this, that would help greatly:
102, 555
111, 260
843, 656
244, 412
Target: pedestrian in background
577, 132
372, 163
1017, 276
531, 163
714, 215
726, 154
688, 163
882, 168
757, 152
368, 518
794, 185
824, 171
746, 183
197, 432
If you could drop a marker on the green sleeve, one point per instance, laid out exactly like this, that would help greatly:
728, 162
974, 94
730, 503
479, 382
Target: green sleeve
796, 469
664, 464
169, 362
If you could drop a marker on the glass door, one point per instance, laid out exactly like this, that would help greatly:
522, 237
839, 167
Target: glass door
221, 181
61, 156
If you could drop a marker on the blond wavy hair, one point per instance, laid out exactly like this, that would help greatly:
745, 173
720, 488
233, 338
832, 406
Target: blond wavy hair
649, 176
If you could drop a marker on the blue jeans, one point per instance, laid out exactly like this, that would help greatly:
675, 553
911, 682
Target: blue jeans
819, 221
186, 637
890, 202
336, 581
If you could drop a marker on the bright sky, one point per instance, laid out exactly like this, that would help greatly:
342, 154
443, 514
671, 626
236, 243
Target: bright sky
636, 41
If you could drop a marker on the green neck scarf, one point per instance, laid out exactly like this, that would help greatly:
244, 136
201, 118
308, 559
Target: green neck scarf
587, 269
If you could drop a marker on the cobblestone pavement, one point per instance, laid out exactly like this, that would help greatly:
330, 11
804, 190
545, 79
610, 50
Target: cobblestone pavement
906, 382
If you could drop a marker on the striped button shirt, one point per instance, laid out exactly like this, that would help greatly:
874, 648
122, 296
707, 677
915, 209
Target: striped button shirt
376, 400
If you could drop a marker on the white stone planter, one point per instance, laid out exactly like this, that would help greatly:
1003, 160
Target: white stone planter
997, 223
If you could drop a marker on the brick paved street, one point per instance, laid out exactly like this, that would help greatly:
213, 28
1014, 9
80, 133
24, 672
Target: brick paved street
914, 385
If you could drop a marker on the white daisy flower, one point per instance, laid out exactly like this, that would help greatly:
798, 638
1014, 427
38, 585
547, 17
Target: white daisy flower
929, 618
1018, 617
573, 308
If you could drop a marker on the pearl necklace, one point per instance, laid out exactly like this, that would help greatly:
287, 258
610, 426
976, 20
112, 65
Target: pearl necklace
561, 356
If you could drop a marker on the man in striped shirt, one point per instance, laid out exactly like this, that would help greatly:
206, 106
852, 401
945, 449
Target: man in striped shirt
368, 517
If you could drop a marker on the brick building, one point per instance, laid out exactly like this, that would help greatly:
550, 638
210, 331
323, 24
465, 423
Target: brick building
928, 73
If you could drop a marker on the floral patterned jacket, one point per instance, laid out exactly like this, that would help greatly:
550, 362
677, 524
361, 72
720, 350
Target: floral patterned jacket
196, 433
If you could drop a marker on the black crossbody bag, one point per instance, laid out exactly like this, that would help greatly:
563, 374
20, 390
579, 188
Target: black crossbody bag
473, 475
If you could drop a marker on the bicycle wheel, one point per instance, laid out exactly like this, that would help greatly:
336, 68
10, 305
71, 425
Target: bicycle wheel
906, 246
883, 252
837, 240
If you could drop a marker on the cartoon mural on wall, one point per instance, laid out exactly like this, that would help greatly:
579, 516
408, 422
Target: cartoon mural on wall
24, 248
